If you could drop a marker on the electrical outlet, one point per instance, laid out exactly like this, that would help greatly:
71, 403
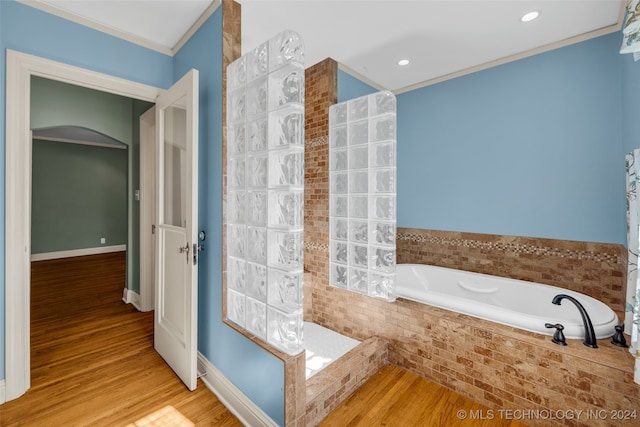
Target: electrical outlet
103, 240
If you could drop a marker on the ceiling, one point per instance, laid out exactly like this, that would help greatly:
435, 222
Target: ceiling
441, 38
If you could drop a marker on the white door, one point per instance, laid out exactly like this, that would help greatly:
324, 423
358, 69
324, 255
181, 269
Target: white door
175, 324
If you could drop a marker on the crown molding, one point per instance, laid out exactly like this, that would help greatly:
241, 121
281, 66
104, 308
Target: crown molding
45, 7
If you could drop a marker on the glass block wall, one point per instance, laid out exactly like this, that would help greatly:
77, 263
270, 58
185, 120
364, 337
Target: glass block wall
265, 185
362, 204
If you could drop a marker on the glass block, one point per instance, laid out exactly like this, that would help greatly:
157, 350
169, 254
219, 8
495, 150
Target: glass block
383, 180
286, 127
286, 169
236, 145
383, 207
286, 47
383, 233
358, 231
257, 170
236, 307
236, 207
256, 318
338, 137
236, 106
358, 157
257, 97
257, 134
258, 62
339, 183
285, 249
383, 154
359, 181
257, 208
285, 290
383, 259
257, 244
237, 73
358, 281
383, 128
382, 286
257, 281
284, 330
286, 209
338, 252
359, 108
236, 240
338, 114
359, 132
236, 273
339, 206
236, 172
358, 256
338, 276
339, 229
381, 103
358, 206
338, 160
286, 86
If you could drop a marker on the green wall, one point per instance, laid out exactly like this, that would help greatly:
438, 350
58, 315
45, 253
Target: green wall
59, 104
79, 195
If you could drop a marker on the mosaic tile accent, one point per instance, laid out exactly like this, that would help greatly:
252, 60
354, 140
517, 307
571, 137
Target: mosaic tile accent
323, 140
320, 247
513, 248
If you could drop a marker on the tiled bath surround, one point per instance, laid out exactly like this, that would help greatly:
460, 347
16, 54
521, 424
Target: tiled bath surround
496, 365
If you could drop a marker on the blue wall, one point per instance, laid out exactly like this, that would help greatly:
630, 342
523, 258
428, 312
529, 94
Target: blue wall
529, 148
255, 371
350, 87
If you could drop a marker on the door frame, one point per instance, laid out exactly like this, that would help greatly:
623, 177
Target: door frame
148, 189
19, 69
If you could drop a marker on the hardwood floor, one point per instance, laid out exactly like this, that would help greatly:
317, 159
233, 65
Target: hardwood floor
396, 397
93, 364
92, 357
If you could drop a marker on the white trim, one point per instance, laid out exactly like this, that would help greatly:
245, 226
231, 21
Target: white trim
196, 26
20, 67
147, 208
357, 75
516, 57
77, 141
45, 7
236, 402
3, 396
78, 252
48, 8
131, 297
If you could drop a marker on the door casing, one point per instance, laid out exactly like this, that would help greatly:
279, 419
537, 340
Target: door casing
20, 68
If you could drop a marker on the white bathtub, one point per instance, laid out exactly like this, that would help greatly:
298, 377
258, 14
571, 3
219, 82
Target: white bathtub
517, 303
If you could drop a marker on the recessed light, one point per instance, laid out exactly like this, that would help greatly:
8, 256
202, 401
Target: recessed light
403, 62
528, 17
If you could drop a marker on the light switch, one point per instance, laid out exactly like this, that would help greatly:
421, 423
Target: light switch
103, 240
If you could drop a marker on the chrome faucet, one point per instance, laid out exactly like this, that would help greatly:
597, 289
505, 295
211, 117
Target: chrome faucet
589, 334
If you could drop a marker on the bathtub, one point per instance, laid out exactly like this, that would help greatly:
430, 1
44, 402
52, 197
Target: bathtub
516, 303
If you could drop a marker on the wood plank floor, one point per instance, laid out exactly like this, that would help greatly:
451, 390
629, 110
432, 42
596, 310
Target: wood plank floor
93, 364
396, 397
92, 357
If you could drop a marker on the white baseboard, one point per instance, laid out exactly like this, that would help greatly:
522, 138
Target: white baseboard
236, 402
3, 393
78, 252
131, 297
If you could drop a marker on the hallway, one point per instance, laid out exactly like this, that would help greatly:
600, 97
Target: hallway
92, 356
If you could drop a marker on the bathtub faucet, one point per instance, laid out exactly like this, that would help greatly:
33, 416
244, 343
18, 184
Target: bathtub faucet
589, 334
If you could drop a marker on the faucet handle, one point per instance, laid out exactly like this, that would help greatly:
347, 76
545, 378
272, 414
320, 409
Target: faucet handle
558, 336
618, 338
